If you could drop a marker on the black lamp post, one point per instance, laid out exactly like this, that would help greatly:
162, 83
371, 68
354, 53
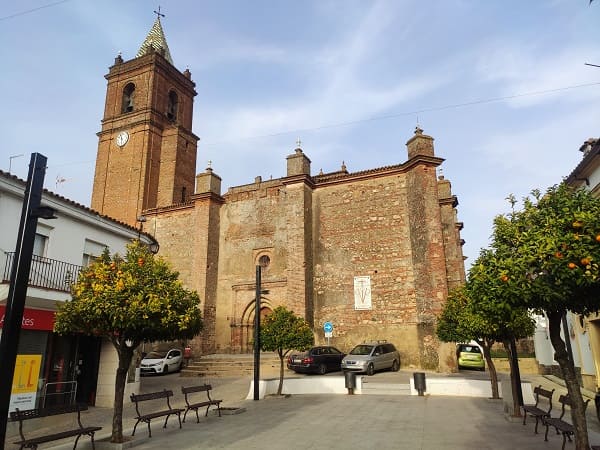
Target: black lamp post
257, 335
19, 279
259, 292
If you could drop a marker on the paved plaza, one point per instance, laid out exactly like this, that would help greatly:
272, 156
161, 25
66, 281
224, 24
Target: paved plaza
335, 421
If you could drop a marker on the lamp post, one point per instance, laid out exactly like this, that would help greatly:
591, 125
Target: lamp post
257, 334
257, 301
15, 303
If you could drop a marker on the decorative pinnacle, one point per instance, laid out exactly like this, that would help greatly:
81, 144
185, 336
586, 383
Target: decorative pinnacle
298, 143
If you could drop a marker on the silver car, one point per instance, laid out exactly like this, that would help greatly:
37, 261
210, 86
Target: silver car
371, 356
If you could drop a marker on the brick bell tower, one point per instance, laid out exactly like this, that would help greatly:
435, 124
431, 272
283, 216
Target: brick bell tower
146, 151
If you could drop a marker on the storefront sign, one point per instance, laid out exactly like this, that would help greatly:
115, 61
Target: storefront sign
25, 382
33, 319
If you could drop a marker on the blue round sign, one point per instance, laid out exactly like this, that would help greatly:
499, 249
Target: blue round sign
328, 327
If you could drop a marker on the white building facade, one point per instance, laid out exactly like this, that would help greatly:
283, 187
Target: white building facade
71, 368
583, 332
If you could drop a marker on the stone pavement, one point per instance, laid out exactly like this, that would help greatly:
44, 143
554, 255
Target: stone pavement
336, 421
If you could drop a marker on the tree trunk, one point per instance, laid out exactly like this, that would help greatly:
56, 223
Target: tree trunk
125, 356
487, 346
568, 370
513, 379
280, 388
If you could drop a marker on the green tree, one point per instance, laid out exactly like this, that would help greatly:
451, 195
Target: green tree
498, 320
466, 317
129, 300
550, 252
282, 331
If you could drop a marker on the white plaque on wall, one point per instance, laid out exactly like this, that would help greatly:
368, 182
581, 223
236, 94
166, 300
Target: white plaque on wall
362, 292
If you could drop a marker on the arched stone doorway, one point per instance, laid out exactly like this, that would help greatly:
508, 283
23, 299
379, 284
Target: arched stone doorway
247, 322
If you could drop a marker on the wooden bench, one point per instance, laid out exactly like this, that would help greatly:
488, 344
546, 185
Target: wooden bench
538, 411
76, 430
562, 427
139, 398
187, 391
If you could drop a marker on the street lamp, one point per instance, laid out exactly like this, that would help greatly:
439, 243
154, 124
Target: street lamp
257, 301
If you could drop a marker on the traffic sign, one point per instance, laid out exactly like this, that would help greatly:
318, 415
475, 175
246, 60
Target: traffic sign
328, 327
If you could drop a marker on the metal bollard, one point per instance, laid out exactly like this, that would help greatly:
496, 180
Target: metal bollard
419, 378
350, 381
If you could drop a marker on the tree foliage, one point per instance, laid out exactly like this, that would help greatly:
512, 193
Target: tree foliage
470, 314
128, 300
545, 257
282, 331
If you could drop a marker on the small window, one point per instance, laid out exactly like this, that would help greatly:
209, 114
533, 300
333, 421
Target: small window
128, 98
264, 261
172, 106
39, 245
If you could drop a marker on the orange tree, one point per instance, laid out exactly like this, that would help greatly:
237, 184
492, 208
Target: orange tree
497, 319
282, 331
470, 314
128, 300
547, 260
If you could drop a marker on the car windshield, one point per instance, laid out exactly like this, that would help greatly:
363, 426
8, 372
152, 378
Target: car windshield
155, 355
470, 349
362, 350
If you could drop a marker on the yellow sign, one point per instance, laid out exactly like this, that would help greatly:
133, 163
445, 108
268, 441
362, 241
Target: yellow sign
27, 374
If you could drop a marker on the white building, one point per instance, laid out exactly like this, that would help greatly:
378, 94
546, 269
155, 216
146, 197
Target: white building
78, 368
583, 332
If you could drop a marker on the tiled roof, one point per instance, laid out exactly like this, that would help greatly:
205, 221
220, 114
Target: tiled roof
156, 39
79, 206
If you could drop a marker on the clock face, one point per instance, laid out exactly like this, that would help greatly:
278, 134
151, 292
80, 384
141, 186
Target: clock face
122, 138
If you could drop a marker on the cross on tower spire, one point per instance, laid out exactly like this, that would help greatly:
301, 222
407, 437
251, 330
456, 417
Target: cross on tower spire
158, 13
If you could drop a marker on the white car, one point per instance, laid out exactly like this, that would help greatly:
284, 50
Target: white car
162, 362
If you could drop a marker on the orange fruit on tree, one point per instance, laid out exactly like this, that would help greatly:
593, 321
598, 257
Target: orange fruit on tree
140, 262
558, 255
504, 278
585, 261
598, 238
572, 265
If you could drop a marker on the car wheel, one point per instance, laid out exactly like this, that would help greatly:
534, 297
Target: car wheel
165, 369
370, 369
322, 369
395, 366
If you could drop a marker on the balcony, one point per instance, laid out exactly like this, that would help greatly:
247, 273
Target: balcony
46, 273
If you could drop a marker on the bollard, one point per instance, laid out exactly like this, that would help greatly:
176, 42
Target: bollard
419, 378
597, 403
350, 381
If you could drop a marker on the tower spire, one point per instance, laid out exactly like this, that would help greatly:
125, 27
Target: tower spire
156, 40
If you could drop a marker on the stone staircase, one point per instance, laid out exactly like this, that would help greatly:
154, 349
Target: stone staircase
223, 365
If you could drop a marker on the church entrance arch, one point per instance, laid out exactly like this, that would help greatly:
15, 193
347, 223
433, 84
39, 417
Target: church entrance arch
247, 320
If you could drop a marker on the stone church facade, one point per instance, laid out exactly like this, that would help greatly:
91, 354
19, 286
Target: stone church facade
374, 252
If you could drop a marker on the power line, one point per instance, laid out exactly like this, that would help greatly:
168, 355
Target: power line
29, 11
411, 113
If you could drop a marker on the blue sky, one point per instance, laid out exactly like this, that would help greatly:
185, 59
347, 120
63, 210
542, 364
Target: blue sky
349, 78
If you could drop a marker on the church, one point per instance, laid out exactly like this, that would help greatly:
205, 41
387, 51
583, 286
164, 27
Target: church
373, 252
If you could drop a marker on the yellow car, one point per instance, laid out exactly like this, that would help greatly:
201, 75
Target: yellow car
469, 357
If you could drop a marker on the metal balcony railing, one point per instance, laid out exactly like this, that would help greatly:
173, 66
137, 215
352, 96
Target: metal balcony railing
46, 273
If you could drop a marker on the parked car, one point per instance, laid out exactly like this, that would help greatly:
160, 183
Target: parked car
319, 360
469, 356
162, 362
372, 356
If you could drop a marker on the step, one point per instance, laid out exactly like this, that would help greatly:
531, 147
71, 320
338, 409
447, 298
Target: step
385, 389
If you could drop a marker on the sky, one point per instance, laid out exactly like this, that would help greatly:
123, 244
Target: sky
502, 87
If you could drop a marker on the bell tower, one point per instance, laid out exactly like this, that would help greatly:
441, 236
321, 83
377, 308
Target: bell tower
146, 150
